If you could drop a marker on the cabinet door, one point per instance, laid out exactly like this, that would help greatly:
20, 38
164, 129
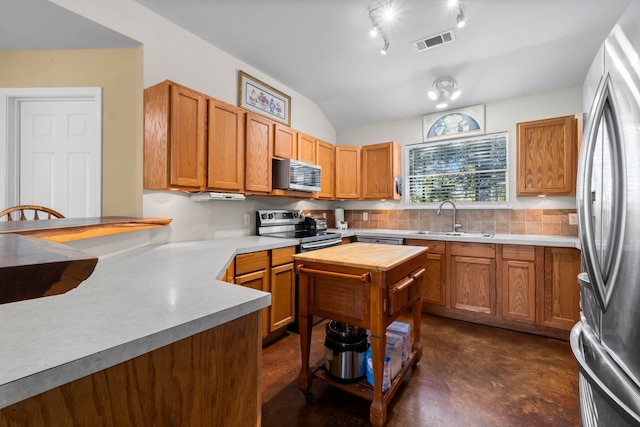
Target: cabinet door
283, 281
306, 148
560, 294
518, 277
285, 142
325, 159
473, 284
348, 172
380, 166
258, 153
187, 141
225, 164
547, 157
258, 280
434, 280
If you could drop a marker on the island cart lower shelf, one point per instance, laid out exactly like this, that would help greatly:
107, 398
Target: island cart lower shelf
366, 285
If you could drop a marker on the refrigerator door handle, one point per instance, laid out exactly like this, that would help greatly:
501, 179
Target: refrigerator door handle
602, 273
582, 341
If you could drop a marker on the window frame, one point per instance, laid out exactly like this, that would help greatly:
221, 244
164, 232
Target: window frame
459, 204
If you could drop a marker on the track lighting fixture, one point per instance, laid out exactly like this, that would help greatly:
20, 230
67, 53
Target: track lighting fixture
385, 12
444, 90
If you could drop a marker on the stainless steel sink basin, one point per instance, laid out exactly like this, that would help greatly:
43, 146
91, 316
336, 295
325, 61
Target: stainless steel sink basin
455, 233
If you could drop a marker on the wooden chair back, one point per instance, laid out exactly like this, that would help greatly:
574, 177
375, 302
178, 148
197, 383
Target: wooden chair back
23, 209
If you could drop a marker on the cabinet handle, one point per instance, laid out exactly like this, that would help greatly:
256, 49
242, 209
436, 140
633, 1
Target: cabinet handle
418, 273
364, 277
404, 283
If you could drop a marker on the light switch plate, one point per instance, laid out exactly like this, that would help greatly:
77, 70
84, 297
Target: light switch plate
573, 219
365, 216
247, 219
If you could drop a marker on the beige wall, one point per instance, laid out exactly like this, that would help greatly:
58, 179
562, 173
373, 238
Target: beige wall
119, 73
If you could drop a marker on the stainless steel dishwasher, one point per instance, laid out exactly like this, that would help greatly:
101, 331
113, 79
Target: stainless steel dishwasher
382, 240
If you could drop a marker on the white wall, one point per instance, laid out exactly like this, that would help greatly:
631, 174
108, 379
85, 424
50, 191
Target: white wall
175, 54
499, 117
172, 53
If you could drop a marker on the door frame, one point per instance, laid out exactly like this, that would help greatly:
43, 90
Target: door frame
10, 99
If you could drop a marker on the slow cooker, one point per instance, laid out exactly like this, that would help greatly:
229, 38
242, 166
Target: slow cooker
345, 349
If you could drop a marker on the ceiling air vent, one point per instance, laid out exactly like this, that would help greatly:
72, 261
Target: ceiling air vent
435, 40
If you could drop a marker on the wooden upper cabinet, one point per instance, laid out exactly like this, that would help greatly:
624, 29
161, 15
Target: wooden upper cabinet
285, 142
348, 172
325, 158
547, 157
380, 167
306, 148
225, 164
174, 137
258, 153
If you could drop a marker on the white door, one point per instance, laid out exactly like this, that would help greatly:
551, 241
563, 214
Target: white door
58, 155
53, 141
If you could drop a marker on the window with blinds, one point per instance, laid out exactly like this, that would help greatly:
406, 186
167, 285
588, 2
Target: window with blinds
469, 170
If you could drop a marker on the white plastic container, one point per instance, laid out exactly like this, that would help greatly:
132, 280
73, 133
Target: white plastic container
403, 330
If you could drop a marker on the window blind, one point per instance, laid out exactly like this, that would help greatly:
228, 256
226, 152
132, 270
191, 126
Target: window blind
463, 170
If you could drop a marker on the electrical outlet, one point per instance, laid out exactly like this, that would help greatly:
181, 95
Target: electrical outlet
365, 216
573, 219
247, 219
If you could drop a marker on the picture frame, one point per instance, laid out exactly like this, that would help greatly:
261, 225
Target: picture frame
453, 123
259, 97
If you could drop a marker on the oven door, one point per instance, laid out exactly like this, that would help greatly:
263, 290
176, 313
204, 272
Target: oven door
319, 244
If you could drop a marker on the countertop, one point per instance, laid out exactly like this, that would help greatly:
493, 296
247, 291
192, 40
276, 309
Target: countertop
370, 256
513, 239
133, 303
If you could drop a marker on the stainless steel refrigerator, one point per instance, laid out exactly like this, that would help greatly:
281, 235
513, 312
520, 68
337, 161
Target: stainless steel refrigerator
606, 341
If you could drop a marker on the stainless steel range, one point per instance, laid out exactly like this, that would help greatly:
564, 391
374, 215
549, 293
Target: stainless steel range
310, 232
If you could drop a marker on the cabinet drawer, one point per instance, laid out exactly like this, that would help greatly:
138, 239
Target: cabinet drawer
519, 252
405, 291
435, 246
247, 263
282, 255
482, 250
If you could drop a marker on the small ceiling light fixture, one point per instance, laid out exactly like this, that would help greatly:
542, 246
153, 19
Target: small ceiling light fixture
444, 90
386, 12
462, 20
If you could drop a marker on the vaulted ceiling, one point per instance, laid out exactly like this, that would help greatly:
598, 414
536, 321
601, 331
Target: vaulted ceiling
322, 49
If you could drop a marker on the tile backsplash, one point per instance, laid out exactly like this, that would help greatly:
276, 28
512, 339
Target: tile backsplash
551, 222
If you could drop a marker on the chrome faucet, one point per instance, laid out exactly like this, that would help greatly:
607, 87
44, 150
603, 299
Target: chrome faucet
454, 225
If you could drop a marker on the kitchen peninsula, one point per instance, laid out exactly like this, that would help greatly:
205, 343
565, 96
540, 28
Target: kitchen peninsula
150, 338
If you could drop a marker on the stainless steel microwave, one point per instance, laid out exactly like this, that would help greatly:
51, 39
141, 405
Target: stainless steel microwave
295, 175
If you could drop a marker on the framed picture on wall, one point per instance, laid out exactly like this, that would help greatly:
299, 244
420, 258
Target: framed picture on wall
259, 97
454, 123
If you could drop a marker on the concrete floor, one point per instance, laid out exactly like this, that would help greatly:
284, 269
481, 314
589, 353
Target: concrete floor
469, 375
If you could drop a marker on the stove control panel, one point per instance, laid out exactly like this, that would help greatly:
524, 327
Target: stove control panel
279, 217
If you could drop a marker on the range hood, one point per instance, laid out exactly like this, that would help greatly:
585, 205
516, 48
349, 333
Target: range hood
203, 197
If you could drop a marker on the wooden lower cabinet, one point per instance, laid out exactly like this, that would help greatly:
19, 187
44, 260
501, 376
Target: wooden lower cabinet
269, 271
435, 277
197, 381
559, 292
473, 277
283, 292
521, 287
518, 269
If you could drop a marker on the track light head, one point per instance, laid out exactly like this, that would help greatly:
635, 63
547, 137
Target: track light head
462, 20
444, 90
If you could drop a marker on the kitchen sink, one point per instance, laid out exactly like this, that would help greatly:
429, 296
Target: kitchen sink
455, 233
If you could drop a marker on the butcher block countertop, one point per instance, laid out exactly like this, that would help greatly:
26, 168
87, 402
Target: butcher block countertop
370, 256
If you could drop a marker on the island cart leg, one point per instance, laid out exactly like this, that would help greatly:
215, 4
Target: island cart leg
304, 324
417, 321
378, 410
